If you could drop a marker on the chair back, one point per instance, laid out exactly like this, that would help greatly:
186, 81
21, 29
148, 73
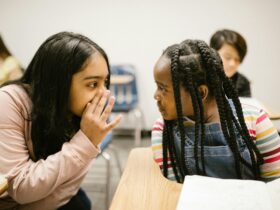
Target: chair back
123, 86
106, 141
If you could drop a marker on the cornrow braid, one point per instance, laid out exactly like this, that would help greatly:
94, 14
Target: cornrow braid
223, 105
231, 93
173, 155
176, 88
198, 110
256, 157
164, 150
241, 126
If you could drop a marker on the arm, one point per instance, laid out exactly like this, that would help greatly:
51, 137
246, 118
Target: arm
32, 181
59, 197
268, 143
156, 141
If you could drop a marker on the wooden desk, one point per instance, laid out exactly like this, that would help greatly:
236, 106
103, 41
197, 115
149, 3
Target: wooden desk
3, 184
143, 187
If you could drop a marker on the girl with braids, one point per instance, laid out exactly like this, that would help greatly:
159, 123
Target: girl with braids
205, 130
52, 121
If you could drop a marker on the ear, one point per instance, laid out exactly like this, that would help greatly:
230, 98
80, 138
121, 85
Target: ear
203, 90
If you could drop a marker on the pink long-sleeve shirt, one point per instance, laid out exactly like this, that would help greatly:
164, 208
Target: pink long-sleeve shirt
44, 184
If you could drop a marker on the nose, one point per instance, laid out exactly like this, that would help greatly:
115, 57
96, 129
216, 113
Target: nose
103, 88
156, 96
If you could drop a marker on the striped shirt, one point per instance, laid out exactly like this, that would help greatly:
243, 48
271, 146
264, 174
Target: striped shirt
261, 130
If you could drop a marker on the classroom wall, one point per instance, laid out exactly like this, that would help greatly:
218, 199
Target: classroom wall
136, 32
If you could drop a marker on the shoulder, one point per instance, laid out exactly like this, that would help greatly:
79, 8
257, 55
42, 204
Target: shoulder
14, 92
252, 112
254, 116
251, 106
14, 101
158, 125
242, 78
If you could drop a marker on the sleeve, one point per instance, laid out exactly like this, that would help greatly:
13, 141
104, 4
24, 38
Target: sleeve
156, 141
32, 181
157, 136
58, 198
268, 143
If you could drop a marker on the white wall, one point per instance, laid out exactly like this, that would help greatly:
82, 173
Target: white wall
136, 32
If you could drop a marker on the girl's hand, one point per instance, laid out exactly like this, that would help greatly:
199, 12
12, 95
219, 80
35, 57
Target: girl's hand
94, 122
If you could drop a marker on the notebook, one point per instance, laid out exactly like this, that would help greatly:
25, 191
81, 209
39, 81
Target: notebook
201, 193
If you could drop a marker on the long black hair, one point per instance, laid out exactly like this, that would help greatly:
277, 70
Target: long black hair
47, 80
194, 63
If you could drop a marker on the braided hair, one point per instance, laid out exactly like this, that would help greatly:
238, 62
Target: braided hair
194, 63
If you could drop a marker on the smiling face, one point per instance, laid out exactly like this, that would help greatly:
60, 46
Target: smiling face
164, 94
87, 82
231, 59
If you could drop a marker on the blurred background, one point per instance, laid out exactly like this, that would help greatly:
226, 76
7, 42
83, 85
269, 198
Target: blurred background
136, 32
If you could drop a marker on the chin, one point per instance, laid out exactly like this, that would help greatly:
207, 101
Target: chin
165, 117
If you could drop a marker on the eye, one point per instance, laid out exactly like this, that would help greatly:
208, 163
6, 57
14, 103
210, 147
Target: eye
93, 85
161, 88
227, 57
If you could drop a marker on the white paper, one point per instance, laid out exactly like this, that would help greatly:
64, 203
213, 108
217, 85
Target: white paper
206, 193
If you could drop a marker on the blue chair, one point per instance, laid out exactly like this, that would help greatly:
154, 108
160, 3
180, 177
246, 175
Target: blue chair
106, 144
124, 87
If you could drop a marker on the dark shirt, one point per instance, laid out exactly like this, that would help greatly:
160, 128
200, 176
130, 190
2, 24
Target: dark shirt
242, 85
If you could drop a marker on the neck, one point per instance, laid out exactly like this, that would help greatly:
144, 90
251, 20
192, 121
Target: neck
211, 113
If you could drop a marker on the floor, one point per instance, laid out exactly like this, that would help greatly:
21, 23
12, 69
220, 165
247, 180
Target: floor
95, 181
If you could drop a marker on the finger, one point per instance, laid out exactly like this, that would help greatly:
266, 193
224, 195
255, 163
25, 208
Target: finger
96, 100
88, 109
101, 104
104, 116
113, 123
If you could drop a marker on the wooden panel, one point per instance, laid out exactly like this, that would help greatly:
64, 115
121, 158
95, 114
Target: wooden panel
143, 187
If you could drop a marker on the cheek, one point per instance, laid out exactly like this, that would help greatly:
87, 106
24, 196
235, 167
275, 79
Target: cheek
79, 101
225, 62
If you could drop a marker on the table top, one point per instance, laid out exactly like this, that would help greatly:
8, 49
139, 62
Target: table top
143, 187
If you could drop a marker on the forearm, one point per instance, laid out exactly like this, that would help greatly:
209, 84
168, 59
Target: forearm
32, 181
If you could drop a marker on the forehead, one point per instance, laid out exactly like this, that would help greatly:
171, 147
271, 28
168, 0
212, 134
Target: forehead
96, 65
162, 70
228, 49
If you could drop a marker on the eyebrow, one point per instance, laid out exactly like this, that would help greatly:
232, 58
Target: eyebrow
159, 83
95, 77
